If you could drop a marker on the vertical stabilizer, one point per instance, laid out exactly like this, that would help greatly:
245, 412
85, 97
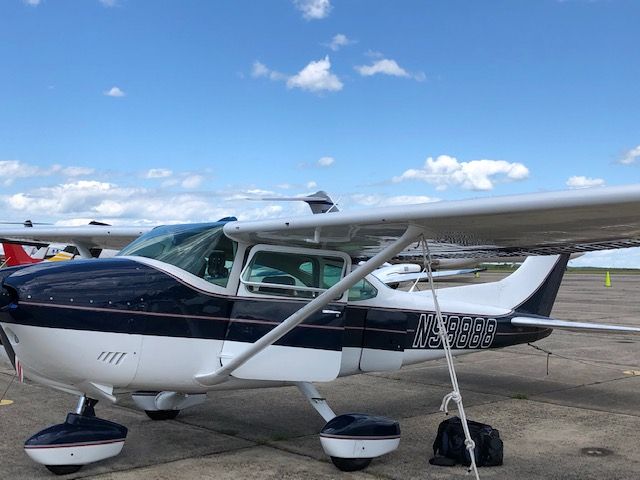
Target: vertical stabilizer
531, 289
15, 255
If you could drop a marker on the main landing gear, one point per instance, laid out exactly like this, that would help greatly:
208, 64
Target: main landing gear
354, 439
83, 438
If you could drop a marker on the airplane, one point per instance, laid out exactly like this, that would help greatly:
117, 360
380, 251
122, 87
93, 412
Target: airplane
15, 255
184, 311
395, 274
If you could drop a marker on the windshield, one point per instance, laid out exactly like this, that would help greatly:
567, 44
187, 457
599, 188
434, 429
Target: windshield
201, 249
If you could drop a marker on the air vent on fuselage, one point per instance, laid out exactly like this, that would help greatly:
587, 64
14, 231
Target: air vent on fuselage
112, 358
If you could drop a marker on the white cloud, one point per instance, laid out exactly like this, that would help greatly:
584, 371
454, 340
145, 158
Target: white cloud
192, 181
445, 171
631, 156
338, 41
316, 77
114, 92
79, 201
386, 201
108, 3
580, 181
158, 173
313, 9
386, 66
73, 171
261, 70
311, 184
15, 169
260, 191
110, 208
326, 161
32, 3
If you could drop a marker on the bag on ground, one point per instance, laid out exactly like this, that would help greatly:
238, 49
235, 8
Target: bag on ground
449, 443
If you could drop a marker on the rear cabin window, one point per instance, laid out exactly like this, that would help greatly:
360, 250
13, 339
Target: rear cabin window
362, 290
291, 274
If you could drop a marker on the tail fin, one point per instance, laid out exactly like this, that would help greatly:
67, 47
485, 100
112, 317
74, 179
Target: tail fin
531, 289
319, 202
541, 301
15, 255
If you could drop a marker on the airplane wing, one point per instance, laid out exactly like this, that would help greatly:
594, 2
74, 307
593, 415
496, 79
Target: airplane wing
534, 224
91, 236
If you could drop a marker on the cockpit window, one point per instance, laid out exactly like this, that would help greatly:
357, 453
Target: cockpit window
200, 249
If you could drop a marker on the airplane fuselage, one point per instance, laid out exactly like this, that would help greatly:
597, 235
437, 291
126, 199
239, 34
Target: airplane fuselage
125, 324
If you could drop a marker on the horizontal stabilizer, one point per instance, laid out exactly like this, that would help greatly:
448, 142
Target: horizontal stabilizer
575, 326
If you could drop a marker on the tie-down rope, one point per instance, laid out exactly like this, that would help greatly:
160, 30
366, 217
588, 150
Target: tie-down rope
455, 395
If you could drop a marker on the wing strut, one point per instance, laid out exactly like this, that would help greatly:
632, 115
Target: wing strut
455, 395
407, 238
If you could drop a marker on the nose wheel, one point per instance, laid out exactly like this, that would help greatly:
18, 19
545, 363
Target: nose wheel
83, 438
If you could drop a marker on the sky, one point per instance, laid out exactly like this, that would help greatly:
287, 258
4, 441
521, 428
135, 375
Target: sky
158, 111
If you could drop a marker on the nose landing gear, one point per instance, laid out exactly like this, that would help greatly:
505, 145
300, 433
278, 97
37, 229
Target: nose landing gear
83, 438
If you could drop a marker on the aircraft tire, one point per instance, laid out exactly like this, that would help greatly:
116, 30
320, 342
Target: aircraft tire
162, 414
351, 464
63, 469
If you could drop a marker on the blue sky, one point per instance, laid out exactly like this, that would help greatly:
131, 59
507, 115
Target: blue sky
135, 111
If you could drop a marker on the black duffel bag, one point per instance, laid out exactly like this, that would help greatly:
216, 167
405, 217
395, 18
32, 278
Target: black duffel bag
449, 448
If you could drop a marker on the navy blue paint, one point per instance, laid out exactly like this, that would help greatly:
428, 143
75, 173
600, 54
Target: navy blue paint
542, 300
329, 338
361, 425
77, 429
380, 325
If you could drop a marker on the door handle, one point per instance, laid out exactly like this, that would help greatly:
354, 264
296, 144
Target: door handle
331, 312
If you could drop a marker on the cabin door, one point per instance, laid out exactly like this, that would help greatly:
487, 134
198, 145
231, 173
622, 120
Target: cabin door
275, 283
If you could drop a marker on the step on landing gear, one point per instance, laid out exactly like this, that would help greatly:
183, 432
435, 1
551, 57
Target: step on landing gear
354, 439
83, 438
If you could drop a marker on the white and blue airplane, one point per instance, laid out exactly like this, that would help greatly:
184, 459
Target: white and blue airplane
185, 310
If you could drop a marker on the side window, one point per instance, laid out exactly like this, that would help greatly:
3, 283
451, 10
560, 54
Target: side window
218, 262
292, 274
362, 290
331, 274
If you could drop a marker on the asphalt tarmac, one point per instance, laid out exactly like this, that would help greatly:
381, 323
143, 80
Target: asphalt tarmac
579, 420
